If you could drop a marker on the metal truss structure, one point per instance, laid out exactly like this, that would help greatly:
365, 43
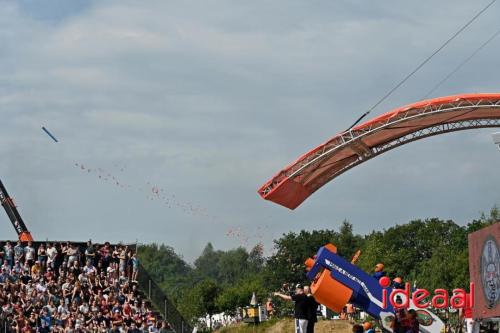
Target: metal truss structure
295, 183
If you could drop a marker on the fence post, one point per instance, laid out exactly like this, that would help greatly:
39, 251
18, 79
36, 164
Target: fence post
165, 309
149, 289
182, 325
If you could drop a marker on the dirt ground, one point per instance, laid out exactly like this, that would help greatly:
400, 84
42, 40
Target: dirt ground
286, 325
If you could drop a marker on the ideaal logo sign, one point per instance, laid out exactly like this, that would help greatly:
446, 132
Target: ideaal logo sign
440, 298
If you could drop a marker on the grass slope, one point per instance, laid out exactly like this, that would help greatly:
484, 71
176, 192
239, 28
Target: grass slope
286, 325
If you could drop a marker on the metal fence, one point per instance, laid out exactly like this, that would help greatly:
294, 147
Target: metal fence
4, 325
161, 302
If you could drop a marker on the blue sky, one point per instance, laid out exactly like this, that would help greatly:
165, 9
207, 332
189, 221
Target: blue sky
203, 101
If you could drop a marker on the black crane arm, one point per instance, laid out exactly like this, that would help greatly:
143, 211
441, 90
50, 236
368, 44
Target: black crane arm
14, 216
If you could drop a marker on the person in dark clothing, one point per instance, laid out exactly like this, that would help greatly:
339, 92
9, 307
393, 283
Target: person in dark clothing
301, 310
397, 283
399, 318
357, 328
379, 271
312, 310
411, 324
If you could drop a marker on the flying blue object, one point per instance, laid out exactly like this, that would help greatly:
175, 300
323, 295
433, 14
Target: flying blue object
49, 134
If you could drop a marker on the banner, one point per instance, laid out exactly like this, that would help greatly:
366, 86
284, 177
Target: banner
484, 268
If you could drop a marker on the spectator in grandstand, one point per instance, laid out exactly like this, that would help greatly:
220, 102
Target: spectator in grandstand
115, 260
4, 276
8, 251
105, 253
17, 268
89, 268
64, 255
29, 254
19, 252
36, 270
45, 320
135, 266
133, 328
73, 255
90, 252
129, 264
42, 257
165, 328
123, 258
51, 256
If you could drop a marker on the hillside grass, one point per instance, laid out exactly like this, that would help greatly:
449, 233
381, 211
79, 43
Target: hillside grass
286, 325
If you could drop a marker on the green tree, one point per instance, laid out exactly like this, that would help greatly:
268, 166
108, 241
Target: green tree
348, 242
207, 263
256, 258
484, 220
166, 268
202, 300
447, 269
232, 265
162, 262
239, 295
292, 249
433, 252
427, 251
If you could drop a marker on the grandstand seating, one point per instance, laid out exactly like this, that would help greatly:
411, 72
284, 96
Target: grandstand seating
75, 287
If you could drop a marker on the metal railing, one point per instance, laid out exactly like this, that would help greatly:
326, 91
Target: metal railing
4, 325
161, 302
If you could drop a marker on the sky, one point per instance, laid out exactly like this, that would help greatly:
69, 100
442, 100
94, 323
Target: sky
192, 105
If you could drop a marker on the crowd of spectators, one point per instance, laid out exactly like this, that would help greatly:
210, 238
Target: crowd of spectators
72, 288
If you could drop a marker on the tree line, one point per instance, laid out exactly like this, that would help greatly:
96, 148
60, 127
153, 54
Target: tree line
431, 252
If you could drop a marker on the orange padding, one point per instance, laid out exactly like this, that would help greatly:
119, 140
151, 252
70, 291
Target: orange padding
309, 264
25, 237
330, 292
330, 247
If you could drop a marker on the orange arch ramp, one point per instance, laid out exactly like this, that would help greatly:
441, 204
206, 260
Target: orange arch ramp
297, 181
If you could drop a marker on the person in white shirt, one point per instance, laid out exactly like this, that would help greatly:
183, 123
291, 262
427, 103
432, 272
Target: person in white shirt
84, 308
29, 254
63, 311
51, 255
89, 268
72, 254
